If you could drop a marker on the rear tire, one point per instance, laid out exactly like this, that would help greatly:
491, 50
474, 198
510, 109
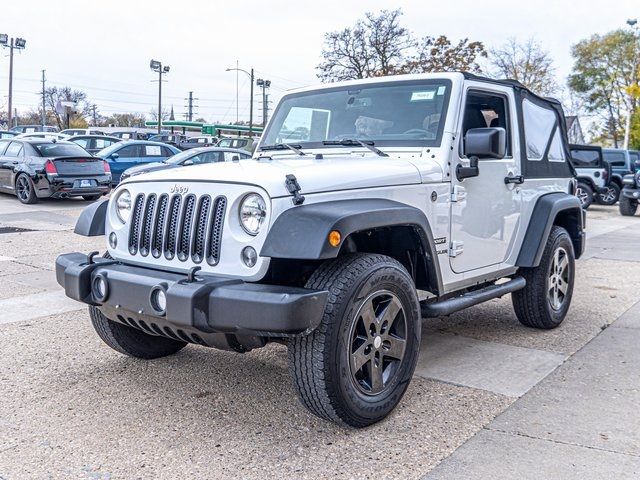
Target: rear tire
356, 366
611, 196
131, 341
628, 206
585, 194
545, 301
25, 190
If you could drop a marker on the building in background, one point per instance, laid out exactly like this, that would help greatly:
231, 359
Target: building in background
574, 130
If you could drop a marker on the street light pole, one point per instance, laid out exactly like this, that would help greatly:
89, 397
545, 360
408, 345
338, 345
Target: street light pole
156, 66
627, 129
250, 96
17, 43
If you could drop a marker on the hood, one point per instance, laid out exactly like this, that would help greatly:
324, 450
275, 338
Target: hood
313, 175
148, 167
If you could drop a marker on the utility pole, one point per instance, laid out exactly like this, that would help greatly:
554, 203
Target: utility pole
44, 115
95, 118
19, 44
190, 106
264, 84
632, 22
156, 66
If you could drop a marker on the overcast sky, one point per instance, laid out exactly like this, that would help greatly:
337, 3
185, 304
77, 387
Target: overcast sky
104, 48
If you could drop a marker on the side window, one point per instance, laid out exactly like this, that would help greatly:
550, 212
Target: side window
3, 147
615, 159
166, 152
130, 151
484, 109
244, 156
83, 142
539, 122
228, 156
14, 150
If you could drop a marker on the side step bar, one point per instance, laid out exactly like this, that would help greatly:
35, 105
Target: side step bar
451, 305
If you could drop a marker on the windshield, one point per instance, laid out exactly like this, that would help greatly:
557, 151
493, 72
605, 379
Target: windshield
60, 150
408, 113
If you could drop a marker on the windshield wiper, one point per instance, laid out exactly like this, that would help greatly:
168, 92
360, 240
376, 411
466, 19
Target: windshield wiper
350, 142
283, 146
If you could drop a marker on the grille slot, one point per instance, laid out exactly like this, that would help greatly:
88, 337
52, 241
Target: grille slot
186, 226
172, 227
200, 233
160, 221
145, 237
176, 226
215, 232
134, 233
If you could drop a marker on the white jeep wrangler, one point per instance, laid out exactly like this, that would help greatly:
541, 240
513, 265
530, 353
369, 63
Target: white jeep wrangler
367, 206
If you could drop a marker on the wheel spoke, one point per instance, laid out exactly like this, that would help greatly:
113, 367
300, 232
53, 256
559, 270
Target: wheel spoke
390, 312
359, 358
556, 300
395, 348
368, 316
376, 375
562, 287
564, 262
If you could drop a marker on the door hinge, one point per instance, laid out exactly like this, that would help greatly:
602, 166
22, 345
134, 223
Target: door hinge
456, 248
458, 193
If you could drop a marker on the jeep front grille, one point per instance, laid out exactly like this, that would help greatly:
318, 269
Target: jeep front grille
177, 227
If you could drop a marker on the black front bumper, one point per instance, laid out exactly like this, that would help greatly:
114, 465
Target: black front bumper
209, 304
632, 193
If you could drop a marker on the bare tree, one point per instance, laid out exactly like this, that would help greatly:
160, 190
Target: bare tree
153, 113
440, 55
527, 63
53, 98
373, 46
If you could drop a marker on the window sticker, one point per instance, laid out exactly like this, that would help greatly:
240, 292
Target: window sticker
422, 96
152, 150
441, 90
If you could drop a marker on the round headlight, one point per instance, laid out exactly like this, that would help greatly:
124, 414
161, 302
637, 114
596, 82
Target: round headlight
253, 211
638, 178
123, 205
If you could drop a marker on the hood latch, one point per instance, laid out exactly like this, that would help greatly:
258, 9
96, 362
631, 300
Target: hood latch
293, 187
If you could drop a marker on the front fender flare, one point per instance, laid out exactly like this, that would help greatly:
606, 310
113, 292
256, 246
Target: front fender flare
302, 232
91, 222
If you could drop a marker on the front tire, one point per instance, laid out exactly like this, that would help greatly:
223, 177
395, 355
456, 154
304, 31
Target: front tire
611, 196
628, 206
545, 300
585, 194
25, 190
356, 366
131, 341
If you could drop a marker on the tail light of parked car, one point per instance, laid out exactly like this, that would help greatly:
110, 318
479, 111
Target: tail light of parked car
49, 167
107, 168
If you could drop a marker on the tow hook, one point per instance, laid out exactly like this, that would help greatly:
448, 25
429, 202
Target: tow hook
191, 276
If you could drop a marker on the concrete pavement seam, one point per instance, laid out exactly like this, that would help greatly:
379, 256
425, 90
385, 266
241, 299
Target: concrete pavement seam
533, 437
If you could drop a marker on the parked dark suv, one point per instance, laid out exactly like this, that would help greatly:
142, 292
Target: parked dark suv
42, 168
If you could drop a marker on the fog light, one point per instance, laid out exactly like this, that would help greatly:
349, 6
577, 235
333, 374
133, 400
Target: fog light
100, 288
158, 299
113, 240
249, 256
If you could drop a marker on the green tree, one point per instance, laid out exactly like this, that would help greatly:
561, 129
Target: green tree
602, 77
525, 62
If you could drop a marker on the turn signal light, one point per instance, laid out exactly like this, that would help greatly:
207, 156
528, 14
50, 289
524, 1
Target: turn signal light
334, 238
50, 167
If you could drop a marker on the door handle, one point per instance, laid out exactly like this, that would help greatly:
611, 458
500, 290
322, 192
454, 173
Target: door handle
513, 179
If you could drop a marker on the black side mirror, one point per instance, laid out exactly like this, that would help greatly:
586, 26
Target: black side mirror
485, 143
481, 143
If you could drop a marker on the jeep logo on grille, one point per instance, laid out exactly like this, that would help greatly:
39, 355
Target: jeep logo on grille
180, 189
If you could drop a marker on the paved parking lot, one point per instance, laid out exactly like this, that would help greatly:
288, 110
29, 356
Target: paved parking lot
490, 399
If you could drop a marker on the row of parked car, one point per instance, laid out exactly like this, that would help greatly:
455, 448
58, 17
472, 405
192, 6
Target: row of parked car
42, 165
601, 173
